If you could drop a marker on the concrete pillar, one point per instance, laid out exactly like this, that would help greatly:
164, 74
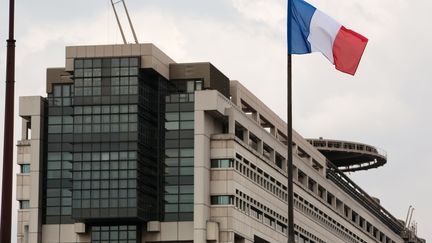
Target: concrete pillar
255, 116
23, 129
273, 131
203, 131
246, 136
260, 146
231, 120
273, 156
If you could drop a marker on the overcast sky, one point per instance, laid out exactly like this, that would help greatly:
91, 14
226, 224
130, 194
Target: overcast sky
384, 105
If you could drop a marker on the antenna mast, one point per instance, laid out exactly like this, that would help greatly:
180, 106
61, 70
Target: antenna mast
408, 213
129, 20
410, 217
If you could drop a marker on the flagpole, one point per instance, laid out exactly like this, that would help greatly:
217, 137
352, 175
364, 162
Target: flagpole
289, 132
6, 198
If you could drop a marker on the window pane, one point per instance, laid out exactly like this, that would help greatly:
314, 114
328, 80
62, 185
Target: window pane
187, 125
172, 116
187, 116
190, 86
25, 168
24, 204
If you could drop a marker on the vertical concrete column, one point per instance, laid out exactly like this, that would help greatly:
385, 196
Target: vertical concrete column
246, 136
349, 214
203, 130
255, 116
23, 129
273, 156
231, 120
273, 131
260, 146
35, 224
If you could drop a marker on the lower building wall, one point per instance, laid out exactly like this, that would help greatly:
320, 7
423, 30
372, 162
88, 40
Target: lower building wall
63, 233
170, 231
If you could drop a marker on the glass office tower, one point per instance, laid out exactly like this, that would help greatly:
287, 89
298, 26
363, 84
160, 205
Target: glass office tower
119, 147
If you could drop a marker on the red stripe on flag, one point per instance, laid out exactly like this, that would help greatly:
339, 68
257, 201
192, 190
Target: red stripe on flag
348, 49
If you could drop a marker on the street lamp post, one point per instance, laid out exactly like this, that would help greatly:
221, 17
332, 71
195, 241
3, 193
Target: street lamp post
6, 199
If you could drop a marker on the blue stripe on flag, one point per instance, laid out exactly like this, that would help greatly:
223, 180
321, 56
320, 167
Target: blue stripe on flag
302, 13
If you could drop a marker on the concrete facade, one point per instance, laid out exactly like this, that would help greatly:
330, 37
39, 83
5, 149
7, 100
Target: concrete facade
29, 149
239, 169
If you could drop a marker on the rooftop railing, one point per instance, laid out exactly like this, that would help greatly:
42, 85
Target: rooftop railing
346, 184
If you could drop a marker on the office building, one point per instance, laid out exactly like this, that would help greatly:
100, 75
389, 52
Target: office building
131, 147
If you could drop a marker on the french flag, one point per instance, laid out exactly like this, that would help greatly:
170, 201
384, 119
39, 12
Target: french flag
314, 31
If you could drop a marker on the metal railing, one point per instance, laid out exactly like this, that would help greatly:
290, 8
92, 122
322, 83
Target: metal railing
346, 184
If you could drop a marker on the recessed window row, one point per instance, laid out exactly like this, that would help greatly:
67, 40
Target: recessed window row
277, 222
260, 212
338, 205
254, 173
303, 236
325, 220
269, 153
258, 145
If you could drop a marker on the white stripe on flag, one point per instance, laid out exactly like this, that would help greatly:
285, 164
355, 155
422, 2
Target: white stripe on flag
323, 30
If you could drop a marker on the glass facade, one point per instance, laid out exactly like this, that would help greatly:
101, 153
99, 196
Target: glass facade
120, 148
179, 150
59, 158
117, 234
105, 143
105, 129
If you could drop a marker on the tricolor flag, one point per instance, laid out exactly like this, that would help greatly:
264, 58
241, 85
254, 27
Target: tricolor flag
314, 31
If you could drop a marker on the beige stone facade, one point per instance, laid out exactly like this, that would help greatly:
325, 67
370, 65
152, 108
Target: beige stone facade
29, 148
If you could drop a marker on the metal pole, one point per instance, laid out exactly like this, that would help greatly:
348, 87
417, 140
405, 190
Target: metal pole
289, 132
130, 23
118, 22
290, 156
6, 201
